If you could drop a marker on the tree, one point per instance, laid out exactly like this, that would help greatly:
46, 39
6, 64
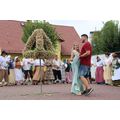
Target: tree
96, 43
30, 26
109, 38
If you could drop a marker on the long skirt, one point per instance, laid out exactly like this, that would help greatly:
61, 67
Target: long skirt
63, 73
99, 75
12, 76
68, 77
3, 75
108, 74
77, 86
49, 74
18, 74
37, 73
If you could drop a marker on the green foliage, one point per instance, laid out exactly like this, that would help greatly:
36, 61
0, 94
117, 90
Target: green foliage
30, 26
108, 39
96, 43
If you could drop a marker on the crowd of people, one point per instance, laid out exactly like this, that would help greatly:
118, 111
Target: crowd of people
75, 70
20, 71
105, 68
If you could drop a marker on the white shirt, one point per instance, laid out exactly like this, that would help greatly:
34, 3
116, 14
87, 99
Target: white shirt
92, 63
108, 60
27, 63
37, 62
3, 63
58, 64
99, 63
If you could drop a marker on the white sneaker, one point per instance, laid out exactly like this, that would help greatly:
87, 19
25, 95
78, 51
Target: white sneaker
60, 81
57, 81
1, 84
5, 84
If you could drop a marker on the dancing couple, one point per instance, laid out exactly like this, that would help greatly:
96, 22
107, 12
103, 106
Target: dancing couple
81, 67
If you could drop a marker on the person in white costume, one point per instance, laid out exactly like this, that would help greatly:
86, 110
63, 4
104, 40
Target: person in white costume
19, 76
3, 69
36, 76
108, 69
27, 68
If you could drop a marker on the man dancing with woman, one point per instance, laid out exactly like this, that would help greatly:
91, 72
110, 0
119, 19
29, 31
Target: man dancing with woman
81, 67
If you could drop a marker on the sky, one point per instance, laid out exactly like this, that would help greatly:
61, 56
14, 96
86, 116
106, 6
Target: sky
81, 26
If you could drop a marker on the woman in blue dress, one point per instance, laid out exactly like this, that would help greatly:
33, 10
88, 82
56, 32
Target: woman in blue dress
77, 87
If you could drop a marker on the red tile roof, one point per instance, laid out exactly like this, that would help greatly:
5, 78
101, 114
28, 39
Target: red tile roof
11, 34
70, 36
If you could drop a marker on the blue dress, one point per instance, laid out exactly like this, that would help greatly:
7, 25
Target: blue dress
77, 86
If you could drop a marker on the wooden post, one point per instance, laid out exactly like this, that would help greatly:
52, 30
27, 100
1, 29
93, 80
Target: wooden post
40, 77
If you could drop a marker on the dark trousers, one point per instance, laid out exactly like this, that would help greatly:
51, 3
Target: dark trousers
57, 74
28, 72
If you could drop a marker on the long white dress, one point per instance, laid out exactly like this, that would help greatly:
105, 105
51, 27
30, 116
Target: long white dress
19, 74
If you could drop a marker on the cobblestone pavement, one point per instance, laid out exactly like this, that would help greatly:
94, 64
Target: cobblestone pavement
57, 92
